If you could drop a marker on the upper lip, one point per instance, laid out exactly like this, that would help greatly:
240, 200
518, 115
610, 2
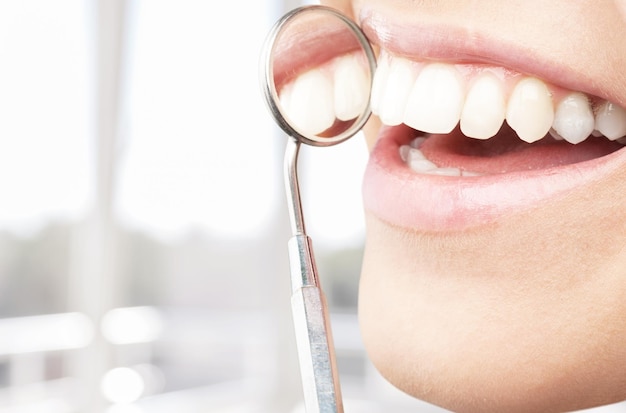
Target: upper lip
423, 40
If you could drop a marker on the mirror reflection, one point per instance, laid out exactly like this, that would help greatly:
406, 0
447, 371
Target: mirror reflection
321, 74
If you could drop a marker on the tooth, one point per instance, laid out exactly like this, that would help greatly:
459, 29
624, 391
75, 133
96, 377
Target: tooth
470, 173
415, 155
284, 97
445, 172
311, 103
417, 161
397, 89
530, 112
484, 109
555, 135
378, 85
436, 99
404, 152
409, 153
351, 87
421, 165
611, 121
573, 119
417, 142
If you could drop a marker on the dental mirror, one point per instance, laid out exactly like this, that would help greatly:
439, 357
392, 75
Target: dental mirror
316, 73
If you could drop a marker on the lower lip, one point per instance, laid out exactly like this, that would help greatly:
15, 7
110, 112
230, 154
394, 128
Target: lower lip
396, 194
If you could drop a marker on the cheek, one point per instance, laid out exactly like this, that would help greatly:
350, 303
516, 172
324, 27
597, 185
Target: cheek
454, 324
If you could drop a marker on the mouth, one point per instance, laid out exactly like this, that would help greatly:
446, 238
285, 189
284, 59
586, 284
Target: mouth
474, 131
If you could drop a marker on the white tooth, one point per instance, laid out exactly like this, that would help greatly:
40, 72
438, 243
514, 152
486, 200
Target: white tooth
484, 109
470, 173
399, 82
573, 119
404, 152
611, 121
284, 97
436, 99
555, 135
379, 83
311, 103
415, 155
445, 172
351, 88
421, 165
530, 111
417, 142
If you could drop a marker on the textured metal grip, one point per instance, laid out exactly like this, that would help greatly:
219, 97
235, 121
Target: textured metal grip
320, 379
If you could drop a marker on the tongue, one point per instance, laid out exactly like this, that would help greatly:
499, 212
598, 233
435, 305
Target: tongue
505, 152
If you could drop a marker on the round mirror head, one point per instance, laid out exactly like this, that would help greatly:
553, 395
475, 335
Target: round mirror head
317, 74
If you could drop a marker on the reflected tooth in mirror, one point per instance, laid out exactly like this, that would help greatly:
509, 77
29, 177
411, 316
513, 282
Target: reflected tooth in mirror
485, 108
311, 108
284, 97
400, 78
378, 86
316, 73
611, 120
351, 87
573, 119
436, 99
530, 112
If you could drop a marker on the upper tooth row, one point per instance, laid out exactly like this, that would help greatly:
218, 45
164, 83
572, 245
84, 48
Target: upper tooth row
435, 97
339, 90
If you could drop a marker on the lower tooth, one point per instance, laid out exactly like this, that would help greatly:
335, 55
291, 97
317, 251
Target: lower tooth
421, 165
470, 173
417, 142
445, 172
416, 160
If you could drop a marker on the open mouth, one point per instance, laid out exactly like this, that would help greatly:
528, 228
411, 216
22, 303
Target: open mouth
463, 144
475, 129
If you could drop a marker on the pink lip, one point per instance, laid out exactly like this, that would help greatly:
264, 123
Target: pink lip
401, 197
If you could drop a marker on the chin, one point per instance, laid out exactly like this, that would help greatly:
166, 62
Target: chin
482, 322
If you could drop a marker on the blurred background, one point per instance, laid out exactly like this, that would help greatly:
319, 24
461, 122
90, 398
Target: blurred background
143, 260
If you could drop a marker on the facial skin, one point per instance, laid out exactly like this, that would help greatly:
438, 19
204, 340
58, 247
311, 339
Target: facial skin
525, 312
